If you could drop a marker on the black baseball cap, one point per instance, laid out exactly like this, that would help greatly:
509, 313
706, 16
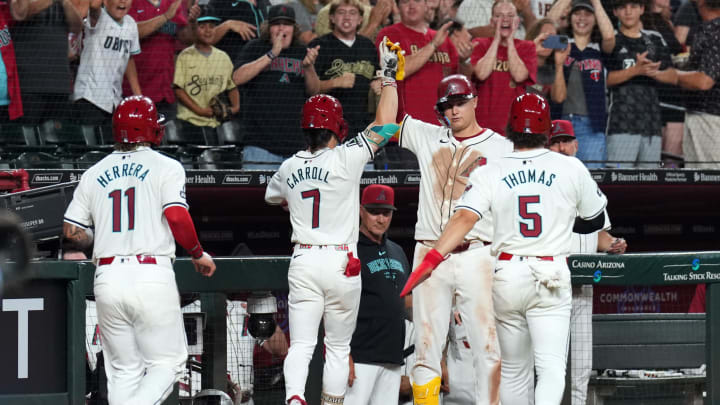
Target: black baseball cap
578, 4
207, 14
281, 12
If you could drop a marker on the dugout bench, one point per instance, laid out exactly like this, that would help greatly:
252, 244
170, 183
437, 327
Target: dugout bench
647, 342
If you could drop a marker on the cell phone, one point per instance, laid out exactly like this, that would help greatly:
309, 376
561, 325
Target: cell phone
555, 42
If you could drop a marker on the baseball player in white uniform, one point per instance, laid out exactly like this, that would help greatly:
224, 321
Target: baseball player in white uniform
135, 199
562, 140
324, 270
460, 368
447, 155
533, 196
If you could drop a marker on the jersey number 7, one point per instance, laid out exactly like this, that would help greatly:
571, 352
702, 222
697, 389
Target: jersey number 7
116, 196
534, 230
315, 195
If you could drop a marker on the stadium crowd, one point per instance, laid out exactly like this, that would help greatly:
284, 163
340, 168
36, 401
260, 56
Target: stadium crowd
637, 78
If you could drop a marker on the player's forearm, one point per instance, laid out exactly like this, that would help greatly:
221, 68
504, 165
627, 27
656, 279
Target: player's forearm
183, 230
459, 225
695, 80
78, 237
387, 108
249, 71
484, 68
132, 77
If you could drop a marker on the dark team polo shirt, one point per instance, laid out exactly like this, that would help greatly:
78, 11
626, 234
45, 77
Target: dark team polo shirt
380, 332
272, 102
634, 105
41, 52
705, 57
241, 10
336, 58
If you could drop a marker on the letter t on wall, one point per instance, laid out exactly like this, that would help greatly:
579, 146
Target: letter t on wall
22, 306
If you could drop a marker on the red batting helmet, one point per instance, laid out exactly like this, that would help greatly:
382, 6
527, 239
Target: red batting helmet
530, 114
323, 111
452, 87
136, 120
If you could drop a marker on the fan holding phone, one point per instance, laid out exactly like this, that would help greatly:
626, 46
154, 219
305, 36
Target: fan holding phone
552, 52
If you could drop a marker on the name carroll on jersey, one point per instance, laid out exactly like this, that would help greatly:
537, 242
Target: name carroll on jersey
528, 176
124, 170
307, 173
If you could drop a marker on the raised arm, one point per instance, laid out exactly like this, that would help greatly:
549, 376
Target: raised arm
148, 27
605, 26
418, 59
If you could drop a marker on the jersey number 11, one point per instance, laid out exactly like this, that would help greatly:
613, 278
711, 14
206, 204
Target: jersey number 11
116, 196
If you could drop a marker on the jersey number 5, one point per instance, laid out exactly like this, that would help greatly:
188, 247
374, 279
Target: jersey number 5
315, 195
534, 230
116, 196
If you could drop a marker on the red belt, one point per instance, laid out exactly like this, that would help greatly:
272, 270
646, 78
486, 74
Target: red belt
343, 248
508, 256
142, 259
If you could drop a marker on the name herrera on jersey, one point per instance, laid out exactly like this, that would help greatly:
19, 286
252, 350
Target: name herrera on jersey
308, 173
528, 176
122, 171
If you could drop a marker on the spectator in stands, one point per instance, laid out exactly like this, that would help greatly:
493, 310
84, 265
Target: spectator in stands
160, 23
550, 78
203, 72
110, 44
502, 67
462, 41
430, 56
657, 18
592, 35
241, 23
10, 99
347, 62
40, 37
373, 18
305, 15
448, 10
686, 20
376, 349
478, 15
639, 60
702, 119
277, 72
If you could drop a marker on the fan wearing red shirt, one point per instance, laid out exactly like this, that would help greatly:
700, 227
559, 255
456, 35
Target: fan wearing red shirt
503, 67
430, 56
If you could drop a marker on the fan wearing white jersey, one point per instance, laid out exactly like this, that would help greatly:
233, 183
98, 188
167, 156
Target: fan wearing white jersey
321, 187
135, 198
562, 140
533, 196
447, 155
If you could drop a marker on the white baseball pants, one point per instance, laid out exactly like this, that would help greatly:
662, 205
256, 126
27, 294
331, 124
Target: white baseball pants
467, 276
581, 343
143, 334
374, 384
533, 324
319, 290
461, 373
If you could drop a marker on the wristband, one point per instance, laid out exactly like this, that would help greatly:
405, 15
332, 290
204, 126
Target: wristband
271, 55
196, 252
466, 61
433, 257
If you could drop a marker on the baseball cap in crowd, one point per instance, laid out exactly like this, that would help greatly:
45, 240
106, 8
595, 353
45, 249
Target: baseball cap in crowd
578, 4
207, 14
561, 129
378, 196
281, 12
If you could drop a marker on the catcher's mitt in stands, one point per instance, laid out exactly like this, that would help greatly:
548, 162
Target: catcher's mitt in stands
221, 108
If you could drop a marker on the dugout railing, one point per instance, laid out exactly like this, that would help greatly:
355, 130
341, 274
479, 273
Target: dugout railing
63, 287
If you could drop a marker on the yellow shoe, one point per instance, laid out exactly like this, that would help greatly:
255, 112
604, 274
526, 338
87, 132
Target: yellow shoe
428, 394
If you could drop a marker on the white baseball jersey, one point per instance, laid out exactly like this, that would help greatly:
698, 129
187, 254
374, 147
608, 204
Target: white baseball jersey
541, 7
107, 47
322, 190
445, 167
533, 197
240, 345
124, 196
